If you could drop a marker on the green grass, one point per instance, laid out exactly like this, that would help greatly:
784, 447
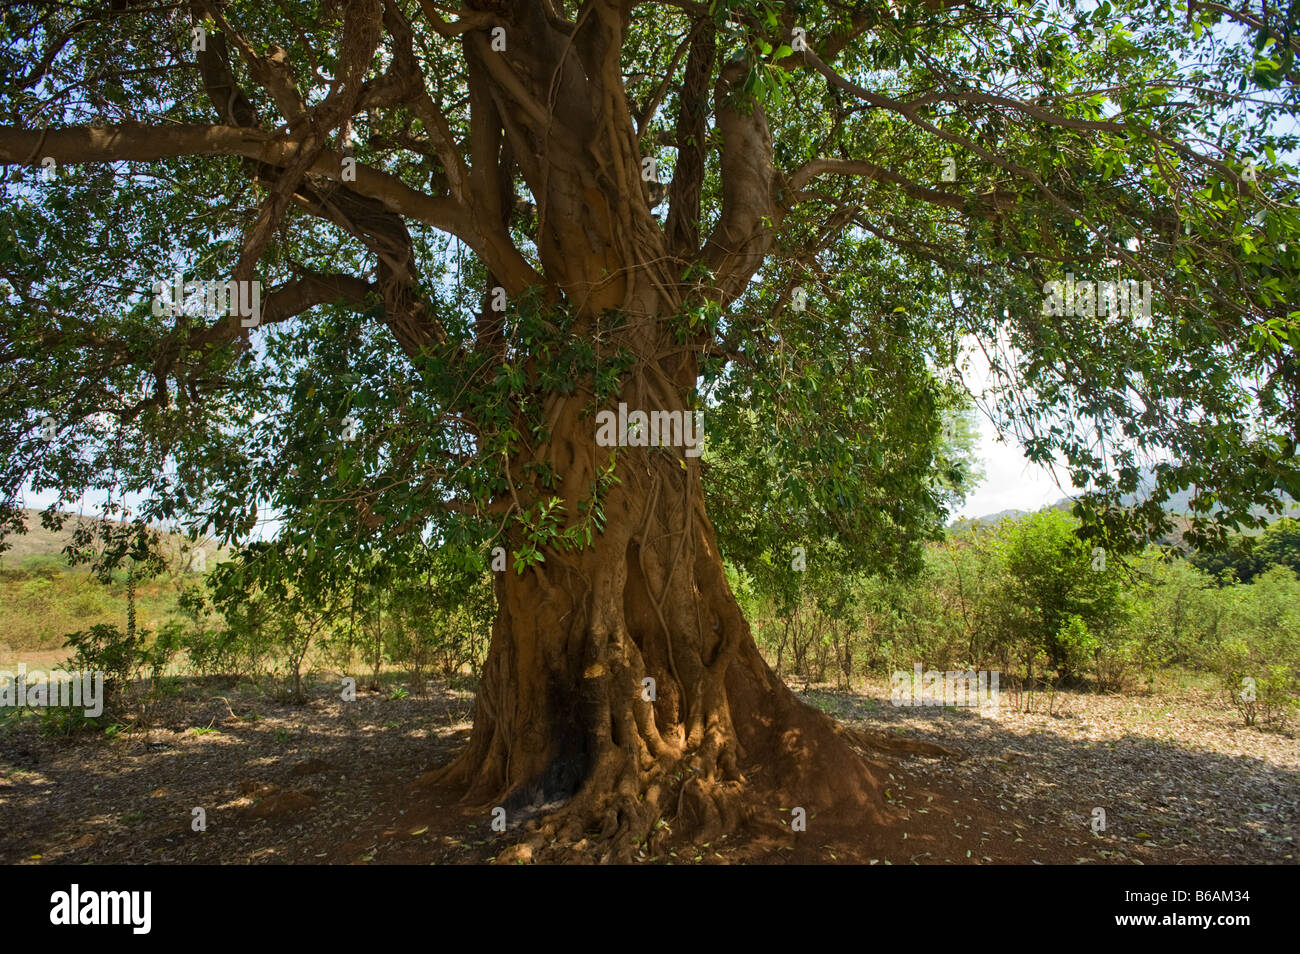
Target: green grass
42, 599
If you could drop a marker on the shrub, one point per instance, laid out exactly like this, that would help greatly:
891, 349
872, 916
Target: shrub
1052, 576
105, 648
1259, 660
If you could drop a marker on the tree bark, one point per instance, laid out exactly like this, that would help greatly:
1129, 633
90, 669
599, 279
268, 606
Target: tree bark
565, 732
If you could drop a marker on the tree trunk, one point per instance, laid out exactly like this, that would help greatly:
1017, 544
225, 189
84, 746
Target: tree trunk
565, 730
377, 662
564, 726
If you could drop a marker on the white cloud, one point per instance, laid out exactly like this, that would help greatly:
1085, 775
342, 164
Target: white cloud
1011, 482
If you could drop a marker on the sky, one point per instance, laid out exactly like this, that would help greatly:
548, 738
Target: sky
1010, 482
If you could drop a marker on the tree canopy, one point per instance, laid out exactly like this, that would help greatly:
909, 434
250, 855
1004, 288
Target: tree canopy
918, 174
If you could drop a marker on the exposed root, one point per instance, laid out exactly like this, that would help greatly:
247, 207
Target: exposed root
879, 741
623, 685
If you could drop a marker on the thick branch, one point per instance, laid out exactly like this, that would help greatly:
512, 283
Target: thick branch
744, 233
853, 167
683, 224
148, 143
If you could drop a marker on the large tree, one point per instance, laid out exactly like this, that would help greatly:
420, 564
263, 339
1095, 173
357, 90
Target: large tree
478, 226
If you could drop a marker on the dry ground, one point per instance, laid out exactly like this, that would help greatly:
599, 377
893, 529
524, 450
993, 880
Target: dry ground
1178, 777
339, 782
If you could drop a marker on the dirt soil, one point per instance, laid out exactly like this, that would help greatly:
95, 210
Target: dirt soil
346, 783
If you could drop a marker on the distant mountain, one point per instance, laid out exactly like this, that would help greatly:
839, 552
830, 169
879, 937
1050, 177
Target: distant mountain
1179, 504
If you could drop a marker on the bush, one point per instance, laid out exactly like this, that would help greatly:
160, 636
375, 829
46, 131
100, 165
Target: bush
1052, 576
209, 650
1076, 646
446, 626
1175, 614
1259, 660
105, 648
87, 604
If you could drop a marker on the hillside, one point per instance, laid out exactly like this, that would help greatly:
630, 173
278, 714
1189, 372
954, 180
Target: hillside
44, 544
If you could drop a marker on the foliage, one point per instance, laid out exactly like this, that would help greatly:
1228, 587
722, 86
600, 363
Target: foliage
1244, 557
1258, 659
118, 655
1058, 589
1110, 139
1023, 598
